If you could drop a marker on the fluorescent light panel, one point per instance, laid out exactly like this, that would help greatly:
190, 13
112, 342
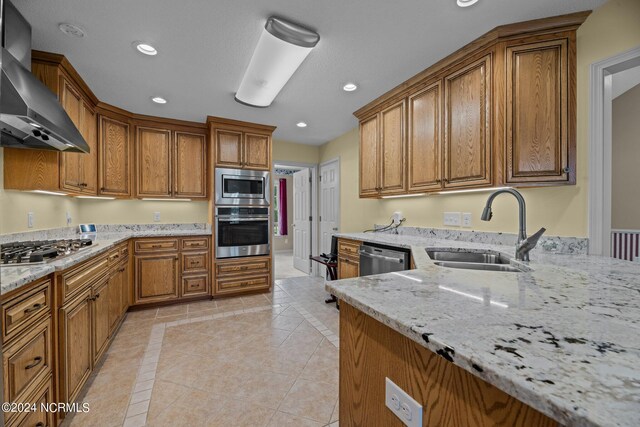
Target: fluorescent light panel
472, 190
95, 197
150, 199
51, 193
281, 49
402, 196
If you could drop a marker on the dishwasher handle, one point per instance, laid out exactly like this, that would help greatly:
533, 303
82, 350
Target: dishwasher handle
383, 257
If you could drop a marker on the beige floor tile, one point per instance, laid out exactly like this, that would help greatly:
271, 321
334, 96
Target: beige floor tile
282, 419
313, 400
239, 413
201, 305
286, 323
172, 310
142, 314
336, 412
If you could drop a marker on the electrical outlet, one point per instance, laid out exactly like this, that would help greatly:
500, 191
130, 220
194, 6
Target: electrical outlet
452, 218
396, 217
156, 217
69, 218
466, 219
402, 405
30, 219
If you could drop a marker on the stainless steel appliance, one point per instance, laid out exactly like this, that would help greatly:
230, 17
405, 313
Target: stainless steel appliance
378, 259
240, 187
30, 114
19, 254
242, 231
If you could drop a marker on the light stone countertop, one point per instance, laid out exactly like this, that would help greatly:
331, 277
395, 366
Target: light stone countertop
563, 338
13, 277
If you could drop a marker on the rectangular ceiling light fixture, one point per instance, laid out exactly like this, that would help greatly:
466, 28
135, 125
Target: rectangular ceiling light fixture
281, 49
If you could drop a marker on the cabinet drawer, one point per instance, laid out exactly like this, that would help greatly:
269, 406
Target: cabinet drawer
244, 266
38, 418
348, 247
195, 262
27, 362
195, 243
240, 284
24, 310
156, 245
195, 285
77, 278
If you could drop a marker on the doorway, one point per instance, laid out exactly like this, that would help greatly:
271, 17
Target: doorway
294, 218
609, 77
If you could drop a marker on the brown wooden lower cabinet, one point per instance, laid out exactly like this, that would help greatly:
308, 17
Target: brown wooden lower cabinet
450, 396
195, 285
239, 275
348, 268
41, 398
156, 278
101, 326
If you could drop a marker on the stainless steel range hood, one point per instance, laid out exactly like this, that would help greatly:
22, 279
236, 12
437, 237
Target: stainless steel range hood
30, 114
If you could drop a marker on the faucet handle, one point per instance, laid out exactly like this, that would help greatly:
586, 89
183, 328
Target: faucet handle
536, 236
528, 244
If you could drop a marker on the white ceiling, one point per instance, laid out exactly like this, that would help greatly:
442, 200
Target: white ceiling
204, 47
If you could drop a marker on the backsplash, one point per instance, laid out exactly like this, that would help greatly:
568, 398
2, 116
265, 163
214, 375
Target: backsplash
549, 244
72, 232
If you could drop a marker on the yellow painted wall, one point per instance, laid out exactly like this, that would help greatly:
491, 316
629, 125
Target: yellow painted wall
292, 152
611, 29
141, 211
625, 195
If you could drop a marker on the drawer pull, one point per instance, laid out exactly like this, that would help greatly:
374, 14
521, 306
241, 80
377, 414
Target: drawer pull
116, 256
121, 270
35, 307
36, 362
40, 424
96, 297
156, 246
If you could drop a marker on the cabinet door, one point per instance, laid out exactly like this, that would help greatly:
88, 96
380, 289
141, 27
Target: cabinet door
190, 165
75, 330
424, 140
467, 138
348, 268
257, 151
156, 278
89, 162
153, 162
100, 319
115, 157
115, 290
71, 100
393, 149
537, 113
369, 166
125, 282
228, 148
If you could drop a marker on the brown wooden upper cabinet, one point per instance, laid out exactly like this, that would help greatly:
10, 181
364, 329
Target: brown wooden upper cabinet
240, 145
537, 139
383, 152
78, 171
467, 135
424, 146
170, 164
114, 165
499, 111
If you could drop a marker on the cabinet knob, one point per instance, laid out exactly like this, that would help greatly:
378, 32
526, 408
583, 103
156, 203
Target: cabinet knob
566, 170
438, 181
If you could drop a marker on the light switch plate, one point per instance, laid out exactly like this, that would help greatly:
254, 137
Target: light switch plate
452, 218
30, 219
156, 217
402, 405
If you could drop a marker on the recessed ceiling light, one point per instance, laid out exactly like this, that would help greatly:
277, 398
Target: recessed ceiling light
145, 48
466, 3
159, 100
349, 87
71, 30
301, 124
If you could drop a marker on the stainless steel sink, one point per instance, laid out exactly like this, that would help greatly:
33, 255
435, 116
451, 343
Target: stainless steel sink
479, 266
468, 260
474, 257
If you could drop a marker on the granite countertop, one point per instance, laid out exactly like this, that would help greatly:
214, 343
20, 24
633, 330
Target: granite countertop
13, 277
563, 338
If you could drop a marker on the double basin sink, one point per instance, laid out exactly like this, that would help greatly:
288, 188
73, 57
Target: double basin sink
486, 261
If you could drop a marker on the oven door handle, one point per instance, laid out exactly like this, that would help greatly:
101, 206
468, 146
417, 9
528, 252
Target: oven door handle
242, 219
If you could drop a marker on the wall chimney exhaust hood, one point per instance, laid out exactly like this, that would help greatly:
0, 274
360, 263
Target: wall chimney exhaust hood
30, 114
281, 49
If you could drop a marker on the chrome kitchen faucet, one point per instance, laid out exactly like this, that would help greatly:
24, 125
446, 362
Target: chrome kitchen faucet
524, 244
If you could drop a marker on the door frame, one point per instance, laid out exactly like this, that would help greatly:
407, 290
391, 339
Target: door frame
313, 168
600, 146
336, 160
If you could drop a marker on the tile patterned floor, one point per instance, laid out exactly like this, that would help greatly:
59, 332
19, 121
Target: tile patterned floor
283, 265
262, 360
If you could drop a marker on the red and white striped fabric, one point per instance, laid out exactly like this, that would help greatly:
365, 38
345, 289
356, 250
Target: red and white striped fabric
625, 244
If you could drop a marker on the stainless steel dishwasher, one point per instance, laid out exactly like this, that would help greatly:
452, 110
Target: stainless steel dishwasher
378, 259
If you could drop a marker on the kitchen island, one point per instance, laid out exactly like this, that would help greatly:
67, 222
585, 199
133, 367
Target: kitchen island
563, 338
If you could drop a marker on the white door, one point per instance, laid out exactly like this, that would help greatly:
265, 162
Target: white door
329, 203
301, 220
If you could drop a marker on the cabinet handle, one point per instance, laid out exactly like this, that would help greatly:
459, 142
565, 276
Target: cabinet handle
96, 297
102, 188
438, 181
121, 270
33, 308
566, 170
446, 180
39, 424
36, 362
156, 246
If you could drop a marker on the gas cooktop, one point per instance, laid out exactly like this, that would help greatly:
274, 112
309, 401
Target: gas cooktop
39, 252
